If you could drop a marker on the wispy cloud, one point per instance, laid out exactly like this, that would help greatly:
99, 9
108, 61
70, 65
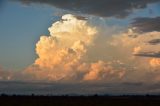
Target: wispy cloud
148, 54
154, 42
146, 24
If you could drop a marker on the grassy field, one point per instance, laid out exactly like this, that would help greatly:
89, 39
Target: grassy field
79, 100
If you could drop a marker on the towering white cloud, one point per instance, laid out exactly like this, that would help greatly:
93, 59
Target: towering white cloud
67, 42
62, 54
67, 54
76, 51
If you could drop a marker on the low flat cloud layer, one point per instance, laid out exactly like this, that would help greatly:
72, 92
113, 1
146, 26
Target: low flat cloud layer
40, 88
103, 8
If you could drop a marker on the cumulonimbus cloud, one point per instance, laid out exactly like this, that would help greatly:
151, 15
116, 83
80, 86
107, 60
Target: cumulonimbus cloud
61, 55
68, 54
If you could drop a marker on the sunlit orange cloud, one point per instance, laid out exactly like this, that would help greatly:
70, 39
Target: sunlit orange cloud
67, 42
68, 54
64, 54
155, 62
136, 49
103, 71
133, 42
61, 55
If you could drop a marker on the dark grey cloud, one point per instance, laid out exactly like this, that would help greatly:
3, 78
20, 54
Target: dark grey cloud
103, 8
154, 42
81, 18
76, 16
77, 88
148, 54
146, 24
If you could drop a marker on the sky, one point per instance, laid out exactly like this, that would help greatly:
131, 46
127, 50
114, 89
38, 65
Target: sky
100, 46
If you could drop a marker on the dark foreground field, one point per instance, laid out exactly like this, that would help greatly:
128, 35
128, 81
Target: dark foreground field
79, 100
